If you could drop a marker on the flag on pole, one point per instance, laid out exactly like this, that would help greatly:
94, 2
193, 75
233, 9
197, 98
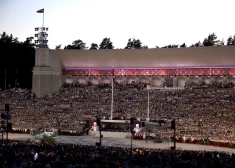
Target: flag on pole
40, 11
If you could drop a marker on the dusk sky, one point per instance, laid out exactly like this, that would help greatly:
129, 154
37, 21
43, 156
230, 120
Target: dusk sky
154, 22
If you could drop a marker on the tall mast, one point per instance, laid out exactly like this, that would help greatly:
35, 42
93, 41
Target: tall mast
111, 117
41, 35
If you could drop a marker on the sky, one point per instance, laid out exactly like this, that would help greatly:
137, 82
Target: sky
154, 22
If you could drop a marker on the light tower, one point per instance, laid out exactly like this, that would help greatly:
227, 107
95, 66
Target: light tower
41, 37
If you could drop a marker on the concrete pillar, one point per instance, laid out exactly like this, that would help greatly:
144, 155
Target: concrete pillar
151, 81
99, 79
87, 80
137, 79
200, 79
226, 79
212, 79
77, 79
74, 80
163, 80
124, 80
175, 81
188, 79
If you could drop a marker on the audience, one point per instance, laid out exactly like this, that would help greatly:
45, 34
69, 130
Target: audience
41, 155
202, 111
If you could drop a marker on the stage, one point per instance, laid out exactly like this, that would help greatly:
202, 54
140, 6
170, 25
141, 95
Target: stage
123, 142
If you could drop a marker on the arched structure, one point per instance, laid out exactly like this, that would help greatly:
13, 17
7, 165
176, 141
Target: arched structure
157, 66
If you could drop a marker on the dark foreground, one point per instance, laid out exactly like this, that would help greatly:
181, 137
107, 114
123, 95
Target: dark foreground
25, 154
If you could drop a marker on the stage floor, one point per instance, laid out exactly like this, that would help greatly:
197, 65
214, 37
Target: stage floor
123, 142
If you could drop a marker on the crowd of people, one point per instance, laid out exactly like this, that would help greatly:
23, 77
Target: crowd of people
41, 155
202, 111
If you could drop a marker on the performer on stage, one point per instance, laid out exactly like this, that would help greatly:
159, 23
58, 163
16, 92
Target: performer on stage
137, 128
95, 127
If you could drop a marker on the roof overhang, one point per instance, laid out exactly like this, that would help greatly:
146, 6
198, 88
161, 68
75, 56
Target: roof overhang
173, 58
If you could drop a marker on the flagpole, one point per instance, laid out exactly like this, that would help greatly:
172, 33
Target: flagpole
148, 103
112, 93
43, 18
148, 89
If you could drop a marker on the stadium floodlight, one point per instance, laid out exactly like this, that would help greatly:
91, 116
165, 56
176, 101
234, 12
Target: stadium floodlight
45, 41
41, 36
45, 35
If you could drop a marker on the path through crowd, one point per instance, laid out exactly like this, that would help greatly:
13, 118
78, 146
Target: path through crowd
123, 142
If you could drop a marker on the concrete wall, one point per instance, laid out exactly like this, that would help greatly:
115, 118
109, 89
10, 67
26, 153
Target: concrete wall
47, 73
43, 84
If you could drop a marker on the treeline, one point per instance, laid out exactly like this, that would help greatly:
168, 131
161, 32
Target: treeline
106, 43
17, 61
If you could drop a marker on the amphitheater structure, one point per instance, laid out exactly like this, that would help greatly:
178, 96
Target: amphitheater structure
158, 67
